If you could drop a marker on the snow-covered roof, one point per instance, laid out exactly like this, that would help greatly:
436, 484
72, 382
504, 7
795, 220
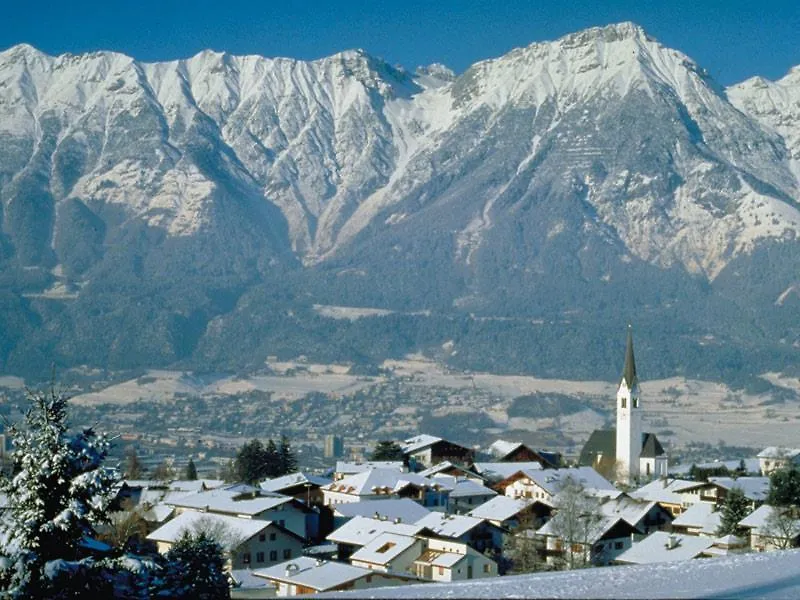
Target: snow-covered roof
754, 488
500, 508
237, 530
595, 528
158, 513
751, 465
351, 468
551, 480
359, 531
502, 448
778, 452
447, 525
667, 491
502, 470
418, 443
440, 558
657, 548
293, 479
384, 548
759, 519
631, 510
444, 466
766, 575
243, 579
702, 516
385, 481
195, 485
463, 487
231, 502
316, 574
404, 509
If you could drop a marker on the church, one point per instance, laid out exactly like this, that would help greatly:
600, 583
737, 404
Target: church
626, 453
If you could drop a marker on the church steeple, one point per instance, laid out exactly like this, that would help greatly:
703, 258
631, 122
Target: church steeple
629, 372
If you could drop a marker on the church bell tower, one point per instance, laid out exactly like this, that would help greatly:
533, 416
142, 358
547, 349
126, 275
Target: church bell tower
629, 418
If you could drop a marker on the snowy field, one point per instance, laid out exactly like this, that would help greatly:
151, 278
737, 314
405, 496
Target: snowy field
772, 576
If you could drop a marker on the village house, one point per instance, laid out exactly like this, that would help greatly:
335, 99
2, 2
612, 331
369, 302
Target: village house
465, 493
644, 516
675, 495
428, 450
776, 457
398, 510
346, 469
305, 575
598, 539
755, 489
479, 534
389, 553
448, 468
248, 502
543, 485
301, 486
247, 543
662, 546
503, 451
360, 531
384, 483
446, 560
512, 513
772, 528
699, 519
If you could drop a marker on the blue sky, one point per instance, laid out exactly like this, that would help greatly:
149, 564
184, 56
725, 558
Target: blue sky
732, 39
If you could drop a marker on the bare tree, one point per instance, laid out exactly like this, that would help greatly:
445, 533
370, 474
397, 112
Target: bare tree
576, 523
782, 527
524, 548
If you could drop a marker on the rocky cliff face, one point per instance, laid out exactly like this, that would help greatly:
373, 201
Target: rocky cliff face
600, 173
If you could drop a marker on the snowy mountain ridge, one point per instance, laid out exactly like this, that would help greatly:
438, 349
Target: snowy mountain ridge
528, 185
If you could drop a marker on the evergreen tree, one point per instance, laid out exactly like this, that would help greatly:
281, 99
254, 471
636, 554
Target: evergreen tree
196, 569
250, 461
387, 450
287, 462
784, 487
190, 474
60, 492
272, 459
735, 508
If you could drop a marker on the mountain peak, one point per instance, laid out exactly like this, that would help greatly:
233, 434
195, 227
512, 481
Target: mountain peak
608, 33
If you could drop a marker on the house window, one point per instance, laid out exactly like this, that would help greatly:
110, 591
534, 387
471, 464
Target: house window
441, 570
369, 578
246, 558
273, 555
262, 537
618, 545
272, 537
487, 568
287, 553
259, 557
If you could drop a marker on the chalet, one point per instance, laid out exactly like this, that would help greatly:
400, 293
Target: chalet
543, 485
513, 513
398, 510
598, 539
446, 560
503, 451
428, 450
661, 546
384, 483
699, 519
755, 489
771, 528
675, 495
642, 515
306, 575
776, 457
477, 533
247, 543
389, 553
360, 531
302, 486
249, 503
465, 493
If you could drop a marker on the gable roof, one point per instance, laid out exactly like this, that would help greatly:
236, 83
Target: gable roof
313, 573
419, 442
447, 525
667, 491
631, 510
463, 487
702, 516
656, 548
446, 465
291, 480
359, 530
497, 471
500, 508
232, 501
758, 520
754, 488
236, 530
778, 452
387, 480
384, 548
594, 530
593, 483
404, 509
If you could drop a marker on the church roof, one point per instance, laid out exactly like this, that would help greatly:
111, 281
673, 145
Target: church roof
629, 371
603, 442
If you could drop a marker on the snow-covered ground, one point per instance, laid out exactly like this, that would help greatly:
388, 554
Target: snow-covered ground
772, 575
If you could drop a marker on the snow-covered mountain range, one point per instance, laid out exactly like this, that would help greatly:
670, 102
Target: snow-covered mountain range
600, 168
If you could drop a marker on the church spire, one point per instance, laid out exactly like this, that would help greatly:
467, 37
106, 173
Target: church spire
629, 372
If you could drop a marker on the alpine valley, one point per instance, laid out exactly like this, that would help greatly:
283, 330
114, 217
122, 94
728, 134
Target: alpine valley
207, 213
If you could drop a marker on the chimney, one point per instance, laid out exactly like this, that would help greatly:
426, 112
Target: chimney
672, 542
